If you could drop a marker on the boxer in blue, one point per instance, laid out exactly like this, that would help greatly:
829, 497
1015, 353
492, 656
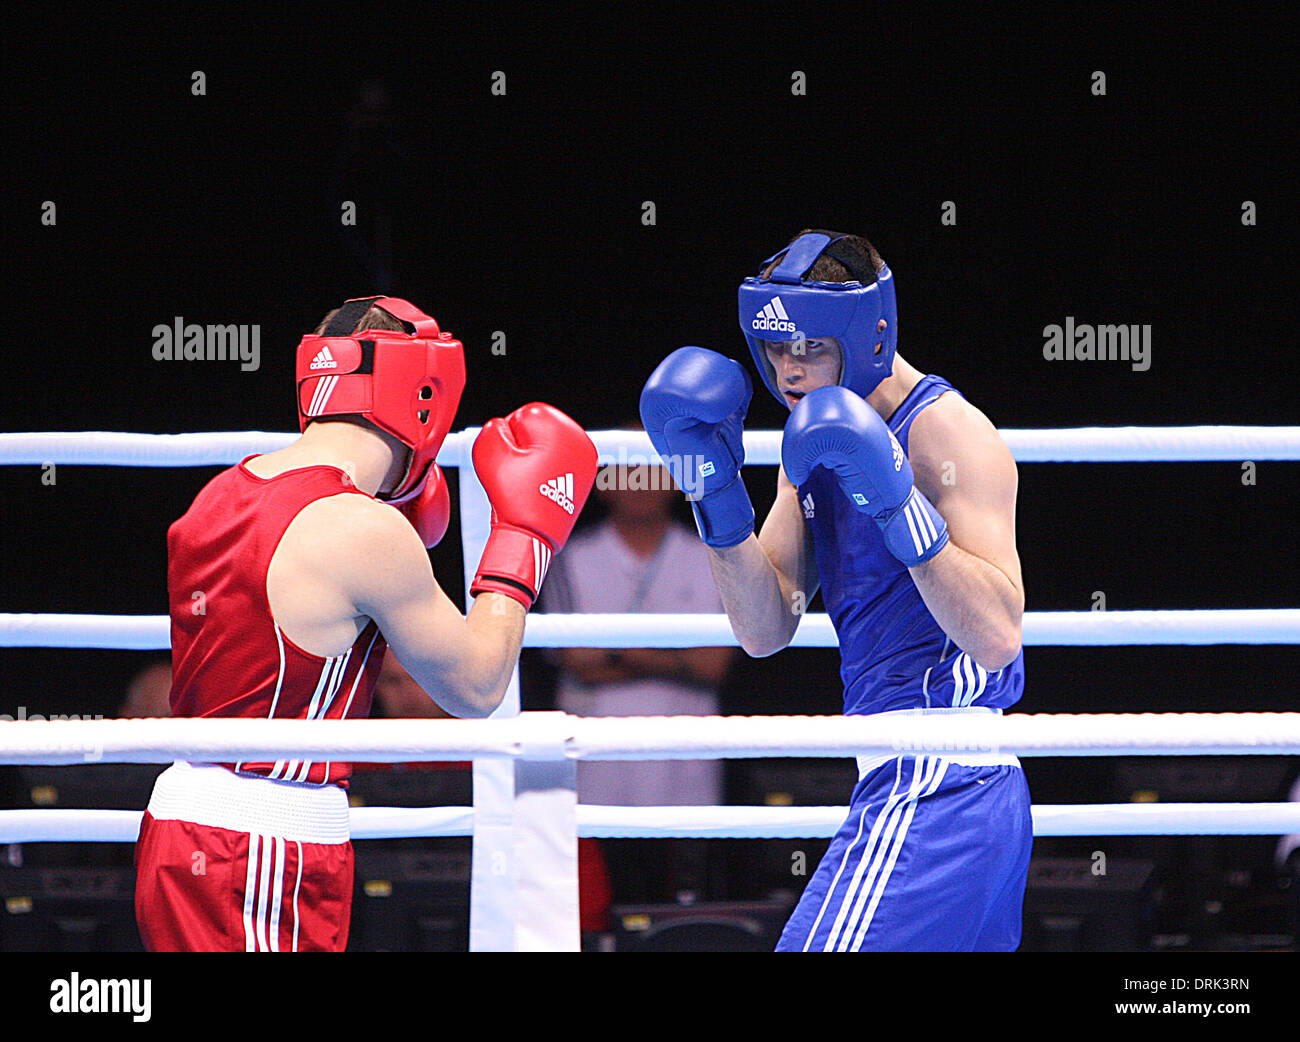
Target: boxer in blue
897, 497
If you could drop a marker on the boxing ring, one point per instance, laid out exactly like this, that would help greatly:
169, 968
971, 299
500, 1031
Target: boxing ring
525, 819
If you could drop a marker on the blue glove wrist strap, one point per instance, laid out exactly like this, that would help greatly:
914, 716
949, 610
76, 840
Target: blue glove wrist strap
915, 532
725, 517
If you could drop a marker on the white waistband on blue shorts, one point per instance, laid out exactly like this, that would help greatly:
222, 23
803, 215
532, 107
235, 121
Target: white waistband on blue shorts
219, 798
867, 764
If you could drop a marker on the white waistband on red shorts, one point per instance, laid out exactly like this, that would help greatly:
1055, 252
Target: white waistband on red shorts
867, 764
219, 798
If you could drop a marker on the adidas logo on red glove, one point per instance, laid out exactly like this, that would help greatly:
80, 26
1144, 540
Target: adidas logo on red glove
559, 490
516, 454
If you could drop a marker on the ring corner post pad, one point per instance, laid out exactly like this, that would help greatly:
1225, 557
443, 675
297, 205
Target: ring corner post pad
524, 884
546, 839
521, 809
492, 892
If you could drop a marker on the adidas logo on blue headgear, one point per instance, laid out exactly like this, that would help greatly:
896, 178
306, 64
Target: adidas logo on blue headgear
773, 318
783, 302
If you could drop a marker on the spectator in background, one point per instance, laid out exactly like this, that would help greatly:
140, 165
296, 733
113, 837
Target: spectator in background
639, 559
148, 692
399, 697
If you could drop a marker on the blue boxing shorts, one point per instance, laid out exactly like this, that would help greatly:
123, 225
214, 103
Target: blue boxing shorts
932, 857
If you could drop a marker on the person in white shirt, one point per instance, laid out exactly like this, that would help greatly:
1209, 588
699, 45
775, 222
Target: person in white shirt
639, 559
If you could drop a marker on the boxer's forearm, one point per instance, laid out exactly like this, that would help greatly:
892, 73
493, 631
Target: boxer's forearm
761, 618
493, 634
975, 603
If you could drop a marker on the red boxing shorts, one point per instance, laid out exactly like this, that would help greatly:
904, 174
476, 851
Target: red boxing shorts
234, 862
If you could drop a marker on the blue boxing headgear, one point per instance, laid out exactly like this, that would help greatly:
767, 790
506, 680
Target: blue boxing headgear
782, 306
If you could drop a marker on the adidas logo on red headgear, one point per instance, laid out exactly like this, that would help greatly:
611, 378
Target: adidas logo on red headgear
324, 360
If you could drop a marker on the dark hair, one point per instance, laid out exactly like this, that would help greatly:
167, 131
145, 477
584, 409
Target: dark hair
375, 318
828, 269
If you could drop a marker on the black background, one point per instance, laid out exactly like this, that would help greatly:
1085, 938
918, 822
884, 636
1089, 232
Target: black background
522, 214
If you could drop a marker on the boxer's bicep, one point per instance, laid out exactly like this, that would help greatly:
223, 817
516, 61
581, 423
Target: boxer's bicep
389, 579
965, 469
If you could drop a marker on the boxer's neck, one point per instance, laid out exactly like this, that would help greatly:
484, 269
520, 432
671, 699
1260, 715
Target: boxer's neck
891, 392
372, 459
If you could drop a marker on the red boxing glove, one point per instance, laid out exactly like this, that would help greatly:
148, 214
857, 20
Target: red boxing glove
537, 467
430, 511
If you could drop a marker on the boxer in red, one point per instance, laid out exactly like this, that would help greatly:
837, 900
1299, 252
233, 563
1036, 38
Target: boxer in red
291, 574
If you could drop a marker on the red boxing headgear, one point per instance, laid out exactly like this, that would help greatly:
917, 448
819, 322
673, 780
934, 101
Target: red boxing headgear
406, 384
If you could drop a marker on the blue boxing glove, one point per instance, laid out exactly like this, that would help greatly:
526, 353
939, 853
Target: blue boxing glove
832, 427
693, 407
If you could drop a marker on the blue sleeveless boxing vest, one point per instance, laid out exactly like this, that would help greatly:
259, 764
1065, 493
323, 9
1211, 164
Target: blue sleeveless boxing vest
893, 655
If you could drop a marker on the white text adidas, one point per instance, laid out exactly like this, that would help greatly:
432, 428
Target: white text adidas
772, 318
560, 491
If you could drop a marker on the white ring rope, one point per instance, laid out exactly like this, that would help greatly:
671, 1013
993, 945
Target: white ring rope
233, 740
669, 630
61, 825
119, 449
1041, 628
1119, 819
1042, 734
1065, 445
557, 736
602, 822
